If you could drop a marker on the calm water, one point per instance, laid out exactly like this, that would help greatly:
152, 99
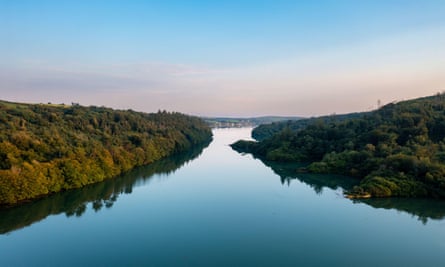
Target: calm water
215, 207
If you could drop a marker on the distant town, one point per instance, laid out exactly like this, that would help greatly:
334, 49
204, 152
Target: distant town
222, 122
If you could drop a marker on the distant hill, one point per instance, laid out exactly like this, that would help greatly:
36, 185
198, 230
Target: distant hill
226, 122
48, 148
397, 150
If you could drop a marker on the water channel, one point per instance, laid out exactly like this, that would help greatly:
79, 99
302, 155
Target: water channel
216, 207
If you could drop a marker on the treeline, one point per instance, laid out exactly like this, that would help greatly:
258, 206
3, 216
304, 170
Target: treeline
50, 148
398, 150
268, 129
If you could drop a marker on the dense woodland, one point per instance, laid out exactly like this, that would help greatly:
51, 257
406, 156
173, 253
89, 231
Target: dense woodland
48, 148
397, 150
267, 130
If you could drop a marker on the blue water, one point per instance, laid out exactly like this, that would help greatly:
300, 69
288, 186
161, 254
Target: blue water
219, 208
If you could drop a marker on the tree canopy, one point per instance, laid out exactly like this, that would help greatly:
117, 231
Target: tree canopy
397, 150
48, 148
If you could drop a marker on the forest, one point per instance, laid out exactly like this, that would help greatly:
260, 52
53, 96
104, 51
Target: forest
396, 150
47, 148
266, 130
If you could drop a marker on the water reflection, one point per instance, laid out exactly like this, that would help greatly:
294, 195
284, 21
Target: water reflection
101, 195
423, 209
289, 171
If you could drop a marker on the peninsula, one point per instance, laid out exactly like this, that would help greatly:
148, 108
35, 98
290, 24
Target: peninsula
396, 150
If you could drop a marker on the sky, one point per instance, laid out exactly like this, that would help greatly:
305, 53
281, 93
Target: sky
222, 58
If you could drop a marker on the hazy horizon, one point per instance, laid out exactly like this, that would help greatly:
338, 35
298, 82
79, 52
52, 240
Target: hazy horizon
223, 59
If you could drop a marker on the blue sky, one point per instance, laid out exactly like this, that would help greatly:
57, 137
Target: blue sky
222, 58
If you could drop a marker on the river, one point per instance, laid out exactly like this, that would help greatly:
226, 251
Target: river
215, 207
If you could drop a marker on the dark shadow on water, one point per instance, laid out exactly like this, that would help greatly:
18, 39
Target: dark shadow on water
101, 195
422, 209
289, 171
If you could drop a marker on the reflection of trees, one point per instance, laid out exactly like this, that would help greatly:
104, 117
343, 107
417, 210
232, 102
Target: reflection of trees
290, 171
100, 195
424, 209
421, 208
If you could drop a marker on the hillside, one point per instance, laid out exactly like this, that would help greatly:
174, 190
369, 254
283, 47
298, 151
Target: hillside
397, 150
50, 148
268, 129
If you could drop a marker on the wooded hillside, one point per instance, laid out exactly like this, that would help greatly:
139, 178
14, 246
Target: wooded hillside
49, 148
397, 150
